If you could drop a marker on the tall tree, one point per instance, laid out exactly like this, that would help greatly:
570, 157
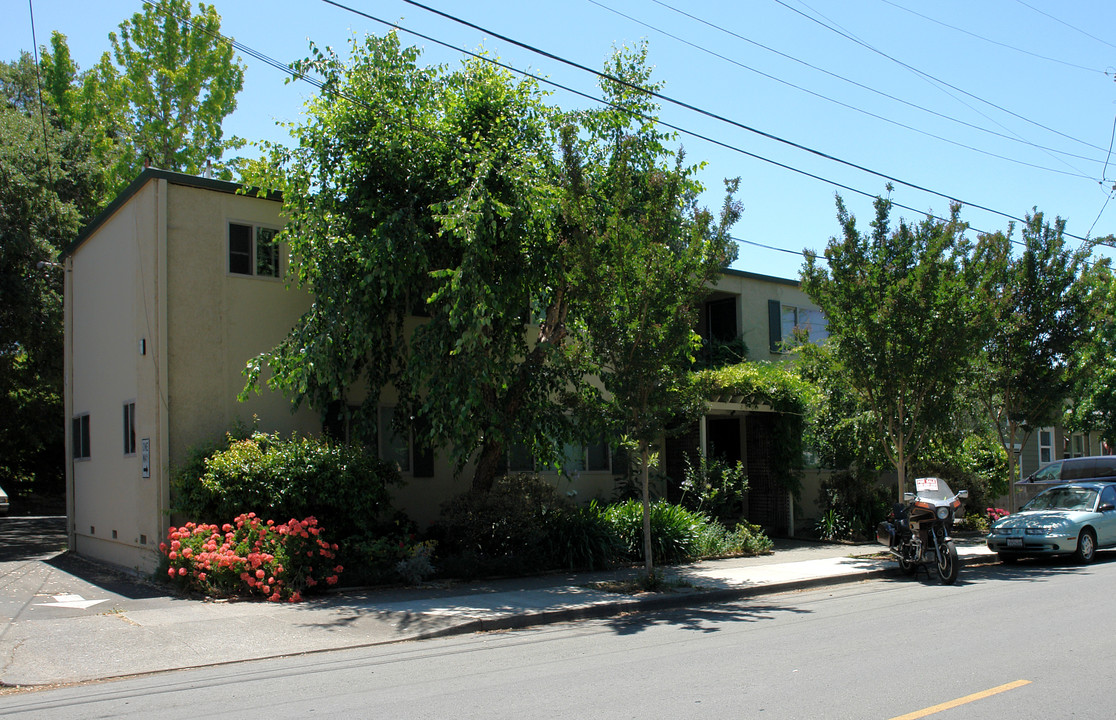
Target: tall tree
46, 182
1093, 408
649, 257
425, 191
179, 79
907, 312
1042, 316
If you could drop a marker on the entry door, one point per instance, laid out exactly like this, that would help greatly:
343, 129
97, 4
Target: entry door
723, 438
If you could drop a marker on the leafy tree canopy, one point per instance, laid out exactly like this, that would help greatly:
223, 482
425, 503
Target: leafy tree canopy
907, 311
649, 254
427, 191
1043, 312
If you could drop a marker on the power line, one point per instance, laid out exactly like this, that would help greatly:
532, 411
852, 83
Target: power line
868, 88
692, 108
931, 77
842, 104
1063, 22
990, 40
287, 69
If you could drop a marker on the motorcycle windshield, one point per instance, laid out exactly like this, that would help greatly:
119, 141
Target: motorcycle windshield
932, 489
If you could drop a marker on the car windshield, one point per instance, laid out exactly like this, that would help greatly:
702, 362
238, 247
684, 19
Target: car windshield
1067, 498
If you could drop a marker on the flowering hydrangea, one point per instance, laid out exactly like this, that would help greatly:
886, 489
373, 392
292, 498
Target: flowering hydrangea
252, 557
995, 514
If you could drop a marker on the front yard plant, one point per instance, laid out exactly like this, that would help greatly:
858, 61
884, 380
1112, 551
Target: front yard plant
251, 557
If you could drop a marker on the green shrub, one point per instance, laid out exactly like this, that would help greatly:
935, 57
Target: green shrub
851, 506
714, 487
714, 540
675, 531
502, 531
581, 538
344, 487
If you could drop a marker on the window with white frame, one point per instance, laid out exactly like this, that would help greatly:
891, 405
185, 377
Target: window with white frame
1075, 445
253, 250
784, 320
130, 428
1046, 445
79, 437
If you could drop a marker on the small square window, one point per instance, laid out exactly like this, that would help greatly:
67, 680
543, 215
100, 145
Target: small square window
253, 250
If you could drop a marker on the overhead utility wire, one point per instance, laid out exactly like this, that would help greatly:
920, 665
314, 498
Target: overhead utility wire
290, 71
937, 84
838, 102
1063, 22
665, 124
990, 40
943, 116
698, 110
932, 78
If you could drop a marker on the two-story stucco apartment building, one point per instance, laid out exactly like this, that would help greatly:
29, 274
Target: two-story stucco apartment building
175, 286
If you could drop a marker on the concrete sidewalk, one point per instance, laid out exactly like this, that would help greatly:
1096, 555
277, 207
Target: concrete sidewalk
68, 621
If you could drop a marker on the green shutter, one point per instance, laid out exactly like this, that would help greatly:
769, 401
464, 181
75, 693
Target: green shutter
775, 324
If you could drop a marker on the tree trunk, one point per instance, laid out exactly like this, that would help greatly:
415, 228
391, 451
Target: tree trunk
645, 478
901, 467
490, 464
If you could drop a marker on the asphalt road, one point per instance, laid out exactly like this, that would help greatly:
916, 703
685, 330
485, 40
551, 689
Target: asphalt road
1030, 640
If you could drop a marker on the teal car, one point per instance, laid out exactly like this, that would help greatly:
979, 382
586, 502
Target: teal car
1073, 519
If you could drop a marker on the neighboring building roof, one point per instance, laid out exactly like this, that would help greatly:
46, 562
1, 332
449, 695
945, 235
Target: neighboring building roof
170, 176
757, 276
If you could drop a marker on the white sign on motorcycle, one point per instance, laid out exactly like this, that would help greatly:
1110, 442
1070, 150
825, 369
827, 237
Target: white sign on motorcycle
926, 483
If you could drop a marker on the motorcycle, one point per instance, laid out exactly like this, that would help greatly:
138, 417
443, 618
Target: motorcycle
918, 529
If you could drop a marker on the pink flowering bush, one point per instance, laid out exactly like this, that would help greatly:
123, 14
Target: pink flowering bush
251, 557
995, 514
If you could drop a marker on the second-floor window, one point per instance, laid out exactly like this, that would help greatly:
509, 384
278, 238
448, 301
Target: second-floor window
253, 250
784, 320
1046, 445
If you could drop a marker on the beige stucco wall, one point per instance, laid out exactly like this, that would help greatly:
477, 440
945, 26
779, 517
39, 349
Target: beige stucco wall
110, 306
752, 293
156, 272
218, 321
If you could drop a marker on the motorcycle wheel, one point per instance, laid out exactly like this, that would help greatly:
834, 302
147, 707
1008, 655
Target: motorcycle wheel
907, 566
947, 563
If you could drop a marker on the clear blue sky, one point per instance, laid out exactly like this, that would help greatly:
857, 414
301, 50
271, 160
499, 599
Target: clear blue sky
1018, 110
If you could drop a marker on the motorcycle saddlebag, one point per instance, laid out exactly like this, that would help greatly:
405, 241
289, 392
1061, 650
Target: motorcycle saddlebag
885, 533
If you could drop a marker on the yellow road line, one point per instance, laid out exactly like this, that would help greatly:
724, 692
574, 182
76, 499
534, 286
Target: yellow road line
962, 701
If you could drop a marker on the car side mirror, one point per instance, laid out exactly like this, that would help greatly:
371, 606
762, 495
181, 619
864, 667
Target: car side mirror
1105, 507
962, 494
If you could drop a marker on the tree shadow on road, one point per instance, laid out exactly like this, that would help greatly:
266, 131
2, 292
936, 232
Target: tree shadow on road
701, 618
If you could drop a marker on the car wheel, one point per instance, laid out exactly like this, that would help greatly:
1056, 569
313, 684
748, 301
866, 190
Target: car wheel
1086, 547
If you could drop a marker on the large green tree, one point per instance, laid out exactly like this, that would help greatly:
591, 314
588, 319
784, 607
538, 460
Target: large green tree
70, 140
1093, 406
907, 311
178, 80
429, 192
1043, 314
648, 257
47, 181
